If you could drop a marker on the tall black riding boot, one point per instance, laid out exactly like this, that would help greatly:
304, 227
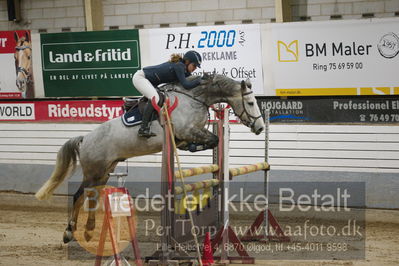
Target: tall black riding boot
144, 130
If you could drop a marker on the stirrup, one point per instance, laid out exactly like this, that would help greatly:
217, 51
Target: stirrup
145, 132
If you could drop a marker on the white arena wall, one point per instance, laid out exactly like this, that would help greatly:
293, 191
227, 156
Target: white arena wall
298, 153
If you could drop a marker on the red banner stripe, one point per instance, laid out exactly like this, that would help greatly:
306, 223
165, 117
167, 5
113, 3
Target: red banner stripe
61, 111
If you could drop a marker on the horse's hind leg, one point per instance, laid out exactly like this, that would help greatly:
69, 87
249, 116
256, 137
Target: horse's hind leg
91, 218
93, 197
93, 177
86, 190
77, 203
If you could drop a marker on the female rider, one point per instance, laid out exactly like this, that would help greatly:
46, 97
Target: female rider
176, 69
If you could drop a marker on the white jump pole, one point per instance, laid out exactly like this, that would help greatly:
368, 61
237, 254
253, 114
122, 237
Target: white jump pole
121, 178
266, 173
226, 182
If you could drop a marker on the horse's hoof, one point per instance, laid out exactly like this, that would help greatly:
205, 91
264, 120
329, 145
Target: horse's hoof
88, 235
90, 226
68, 236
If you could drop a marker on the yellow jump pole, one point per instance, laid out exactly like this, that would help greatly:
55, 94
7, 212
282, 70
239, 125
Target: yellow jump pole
248, 169
197, 171
196, 186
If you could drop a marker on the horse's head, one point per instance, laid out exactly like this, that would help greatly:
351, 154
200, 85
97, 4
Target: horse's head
240, 97
247, 109
23, 60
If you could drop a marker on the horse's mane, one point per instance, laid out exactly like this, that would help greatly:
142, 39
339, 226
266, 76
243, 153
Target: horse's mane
176, 86
224, 81
221, 81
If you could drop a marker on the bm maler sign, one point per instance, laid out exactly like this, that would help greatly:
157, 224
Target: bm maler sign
90, 63
331, 58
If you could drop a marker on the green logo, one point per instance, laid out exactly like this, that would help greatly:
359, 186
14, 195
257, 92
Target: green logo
99, 63
91, 55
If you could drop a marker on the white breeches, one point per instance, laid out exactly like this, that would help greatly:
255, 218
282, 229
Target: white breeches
144, 86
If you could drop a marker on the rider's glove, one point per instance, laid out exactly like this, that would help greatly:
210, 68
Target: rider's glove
205, 81
206, 76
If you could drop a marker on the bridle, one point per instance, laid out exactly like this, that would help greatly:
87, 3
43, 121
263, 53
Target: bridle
244, 111
22, 69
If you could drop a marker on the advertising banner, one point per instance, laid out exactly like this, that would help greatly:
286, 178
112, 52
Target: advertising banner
99, 63
356, 57
233, 50
363, 110
16, 75
61, 111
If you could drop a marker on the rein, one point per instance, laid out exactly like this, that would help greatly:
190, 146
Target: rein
188, 95
194, 98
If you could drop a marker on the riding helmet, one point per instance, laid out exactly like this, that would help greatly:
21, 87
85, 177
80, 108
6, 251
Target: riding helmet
193, 57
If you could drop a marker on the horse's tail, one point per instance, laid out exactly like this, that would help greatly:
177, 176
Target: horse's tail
64, 166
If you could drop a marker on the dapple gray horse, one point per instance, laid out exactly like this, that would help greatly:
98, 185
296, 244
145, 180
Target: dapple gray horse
100, 151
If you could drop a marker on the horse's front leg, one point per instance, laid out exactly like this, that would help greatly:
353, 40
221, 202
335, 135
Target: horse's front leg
199, 140
93, 197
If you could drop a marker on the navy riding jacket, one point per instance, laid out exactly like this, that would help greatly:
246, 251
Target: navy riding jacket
170, 72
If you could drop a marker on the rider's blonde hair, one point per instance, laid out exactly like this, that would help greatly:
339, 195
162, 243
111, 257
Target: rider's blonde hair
174, 58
